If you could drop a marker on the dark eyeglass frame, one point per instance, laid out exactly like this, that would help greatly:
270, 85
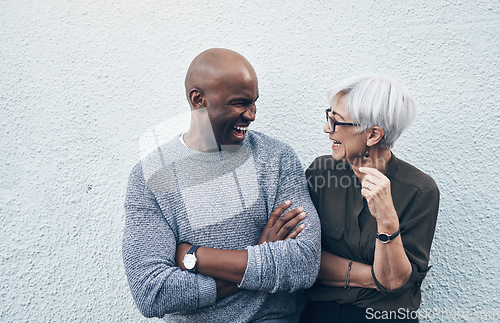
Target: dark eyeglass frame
332, 122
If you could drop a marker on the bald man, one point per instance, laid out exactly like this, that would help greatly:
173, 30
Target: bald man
210, 232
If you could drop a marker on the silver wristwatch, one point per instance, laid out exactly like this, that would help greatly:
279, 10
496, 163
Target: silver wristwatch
190, 259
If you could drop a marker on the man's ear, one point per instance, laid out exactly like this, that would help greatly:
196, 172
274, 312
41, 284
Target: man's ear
375, 135
196, 98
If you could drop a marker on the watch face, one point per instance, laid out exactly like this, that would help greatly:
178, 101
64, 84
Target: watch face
189, 261
383, 237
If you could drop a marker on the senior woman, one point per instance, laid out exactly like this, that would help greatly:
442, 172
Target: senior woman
378, 213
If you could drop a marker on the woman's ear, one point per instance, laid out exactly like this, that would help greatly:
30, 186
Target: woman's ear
196, 98
375, 135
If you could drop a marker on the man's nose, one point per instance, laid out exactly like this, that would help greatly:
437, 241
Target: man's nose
250, 112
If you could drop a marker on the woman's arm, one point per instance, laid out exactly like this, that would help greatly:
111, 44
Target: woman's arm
333, 272
391, 266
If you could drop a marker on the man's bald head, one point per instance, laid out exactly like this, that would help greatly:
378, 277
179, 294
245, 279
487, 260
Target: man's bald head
211, 67
221, 88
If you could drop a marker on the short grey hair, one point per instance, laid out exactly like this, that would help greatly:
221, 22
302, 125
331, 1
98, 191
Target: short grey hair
375, 100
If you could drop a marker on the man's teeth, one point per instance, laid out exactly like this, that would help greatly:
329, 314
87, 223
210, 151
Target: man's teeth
336, 142
241, 128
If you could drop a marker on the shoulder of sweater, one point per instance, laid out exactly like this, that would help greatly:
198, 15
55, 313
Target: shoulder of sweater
259, 140
408, 174
152, 158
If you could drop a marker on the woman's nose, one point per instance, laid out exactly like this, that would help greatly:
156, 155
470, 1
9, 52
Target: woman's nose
326, 128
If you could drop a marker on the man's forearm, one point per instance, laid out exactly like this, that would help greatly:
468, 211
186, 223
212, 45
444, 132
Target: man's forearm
229, 265
225, 288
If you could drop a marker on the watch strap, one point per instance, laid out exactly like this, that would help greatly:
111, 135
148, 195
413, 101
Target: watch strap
194, 248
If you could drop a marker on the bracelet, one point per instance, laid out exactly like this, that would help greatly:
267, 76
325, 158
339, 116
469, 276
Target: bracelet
346, 284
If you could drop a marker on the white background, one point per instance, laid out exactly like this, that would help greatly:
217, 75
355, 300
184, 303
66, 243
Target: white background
84, 84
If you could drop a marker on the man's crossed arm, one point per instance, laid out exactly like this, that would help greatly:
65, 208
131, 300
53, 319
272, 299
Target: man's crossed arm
228, 266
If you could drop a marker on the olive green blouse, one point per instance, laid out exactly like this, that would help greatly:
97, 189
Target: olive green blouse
349, 230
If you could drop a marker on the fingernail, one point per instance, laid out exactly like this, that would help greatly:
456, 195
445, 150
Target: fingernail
288, 202
301, 209
302, 215
302, 226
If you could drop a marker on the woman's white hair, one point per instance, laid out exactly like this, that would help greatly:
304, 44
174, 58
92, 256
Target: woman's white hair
374, 100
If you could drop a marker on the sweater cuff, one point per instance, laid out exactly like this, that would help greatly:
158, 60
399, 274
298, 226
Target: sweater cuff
252, 277
415, 278
207, 291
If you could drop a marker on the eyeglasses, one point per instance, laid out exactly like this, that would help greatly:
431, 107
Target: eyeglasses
332, 122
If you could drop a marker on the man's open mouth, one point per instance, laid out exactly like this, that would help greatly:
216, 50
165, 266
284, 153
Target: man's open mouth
240, 131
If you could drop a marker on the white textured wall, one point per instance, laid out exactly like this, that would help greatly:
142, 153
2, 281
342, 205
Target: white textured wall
84, 83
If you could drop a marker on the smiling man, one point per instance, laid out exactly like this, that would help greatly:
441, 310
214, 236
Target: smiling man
225, 84
210, 234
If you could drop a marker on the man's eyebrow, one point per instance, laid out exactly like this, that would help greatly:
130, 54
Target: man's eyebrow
241, 99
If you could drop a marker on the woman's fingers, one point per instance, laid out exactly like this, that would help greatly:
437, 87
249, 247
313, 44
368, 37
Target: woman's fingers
376, 189
373, 179
371, 171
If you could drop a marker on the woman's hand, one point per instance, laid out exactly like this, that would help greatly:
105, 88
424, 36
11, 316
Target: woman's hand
279, 227
376, 189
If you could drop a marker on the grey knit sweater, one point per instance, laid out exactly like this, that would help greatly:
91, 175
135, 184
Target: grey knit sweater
219, 200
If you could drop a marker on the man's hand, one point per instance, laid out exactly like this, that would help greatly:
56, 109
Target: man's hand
279, 227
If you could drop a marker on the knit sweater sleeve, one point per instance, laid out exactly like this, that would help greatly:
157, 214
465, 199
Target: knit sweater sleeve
158, 286
294, 263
